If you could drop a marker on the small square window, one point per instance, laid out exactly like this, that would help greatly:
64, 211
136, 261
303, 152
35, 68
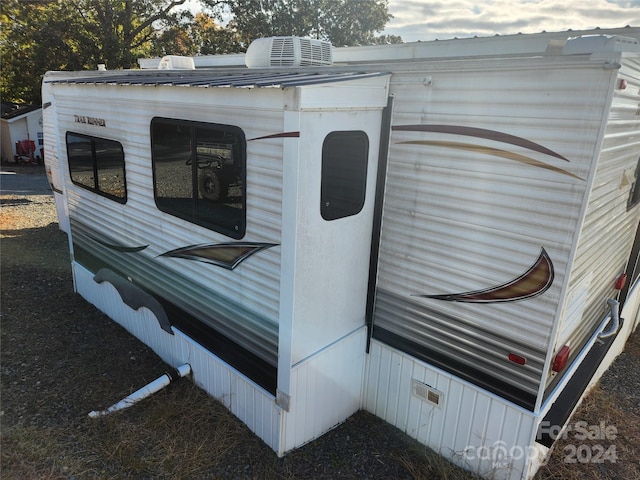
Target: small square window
344, 174
97, 164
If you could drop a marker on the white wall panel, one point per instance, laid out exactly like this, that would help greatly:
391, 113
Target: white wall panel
470, 427
325, 390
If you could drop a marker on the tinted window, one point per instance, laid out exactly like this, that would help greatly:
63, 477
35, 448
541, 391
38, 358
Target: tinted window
97, 164
199, 173
344, 174
634, 196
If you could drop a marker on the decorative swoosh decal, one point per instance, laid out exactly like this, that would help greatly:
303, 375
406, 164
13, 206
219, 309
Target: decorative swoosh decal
489, 135
492, 151
532, 283
119, 248
481, 133
225, 255
277, 135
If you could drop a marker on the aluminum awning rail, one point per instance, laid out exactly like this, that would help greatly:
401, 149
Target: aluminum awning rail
217, 79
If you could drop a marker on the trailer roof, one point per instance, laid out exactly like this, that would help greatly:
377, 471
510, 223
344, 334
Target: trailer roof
202, 78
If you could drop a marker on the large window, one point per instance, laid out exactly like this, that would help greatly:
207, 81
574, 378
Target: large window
97, 164
344, 174
199, 173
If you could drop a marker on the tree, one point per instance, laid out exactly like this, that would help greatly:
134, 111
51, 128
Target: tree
196, 35
37, 36
342, 22
41, 35
210, 38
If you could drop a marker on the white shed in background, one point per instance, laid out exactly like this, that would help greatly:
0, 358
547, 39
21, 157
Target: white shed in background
21, 123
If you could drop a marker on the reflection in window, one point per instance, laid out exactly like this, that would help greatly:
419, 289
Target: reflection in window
97, 164
199, 173
344, 174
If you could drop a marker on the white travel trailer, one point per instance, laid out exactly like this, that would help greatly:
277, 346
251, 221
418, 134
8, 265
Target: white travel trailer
442, 233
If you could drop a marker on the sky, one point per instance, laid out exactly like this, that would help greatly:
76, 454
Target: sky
424, 20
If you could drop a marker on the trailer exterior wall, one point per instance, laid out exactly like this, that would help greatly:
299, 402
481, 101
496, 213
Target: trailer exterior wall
281, 341
461, 215
140, 223
470, 419
473, 428
606, 236
54, 173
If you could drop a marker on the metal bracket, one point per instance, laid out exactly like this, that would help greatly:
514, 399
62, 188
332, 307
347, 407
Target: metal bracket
614, 307
283, 400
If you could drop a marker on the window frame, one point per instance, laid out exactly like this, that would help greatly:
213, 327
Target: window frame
239, 153
634, 193
95, 160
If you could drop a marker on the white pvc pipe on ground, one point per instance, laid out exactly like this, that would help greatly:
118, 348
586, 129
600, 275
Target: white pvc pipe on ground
149, 389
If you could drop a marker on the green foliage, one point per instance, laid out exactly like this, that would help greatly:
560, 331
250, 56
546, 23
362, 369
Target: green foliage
342, 22
196, 35
37, 36
41, 35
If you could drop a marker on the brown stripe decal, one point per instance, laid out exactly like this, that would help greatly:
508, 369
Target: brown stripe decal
277, 135
118, 248
532, 283
492, 151
225, 255
480, 133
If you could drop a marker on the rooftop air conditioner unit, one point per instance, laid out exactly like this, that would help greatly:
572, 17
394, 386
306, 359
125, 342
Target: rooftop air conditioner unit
288, 52
176, 62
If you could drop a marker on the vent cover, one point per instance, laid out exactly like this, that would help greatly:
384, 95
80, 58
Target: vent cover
427, 393
288, 52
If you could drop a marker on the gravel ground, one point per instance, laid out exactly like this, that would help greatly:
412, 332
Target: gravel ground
61, 358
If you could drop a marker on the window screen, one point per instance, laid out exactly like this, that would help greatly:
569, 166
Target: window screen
97, 164
344, 174
199, 173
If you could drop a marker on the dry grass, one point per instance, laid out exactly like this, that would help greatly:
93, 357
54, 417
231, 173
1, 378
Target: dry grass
424, 464
609, 454
26, 454
179, 434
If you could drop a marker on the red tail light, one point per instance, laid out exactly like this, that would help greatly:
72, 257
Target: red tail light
517, 359
560, 361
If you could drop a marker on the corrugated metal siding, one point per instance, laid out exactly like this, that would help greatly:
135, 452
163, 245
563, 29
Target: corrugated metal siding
51, 148
254, 285
609, 225
459, 220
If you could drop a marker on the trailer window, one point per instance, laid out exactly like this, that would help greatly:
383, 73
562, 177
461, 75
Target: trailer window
199, 173
97, 164
344, 174
634, 196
